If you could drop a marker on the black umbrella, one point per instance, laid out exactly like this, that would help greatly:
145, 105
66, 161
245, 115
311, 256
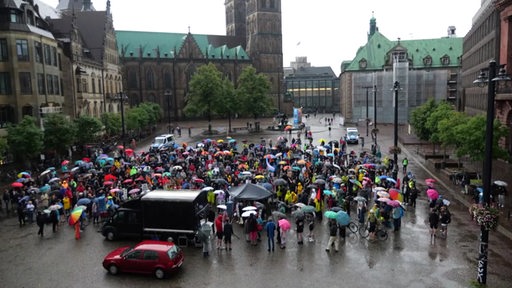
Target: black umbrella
280, 181
249, 191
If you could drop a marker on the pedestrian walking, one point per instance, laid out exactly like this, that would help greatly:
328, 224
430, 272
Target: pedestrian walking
30, 212
333, 236
433, 220
228, 232
41, 221
299, 222
405, 162
7, 198
270, 227
219, 231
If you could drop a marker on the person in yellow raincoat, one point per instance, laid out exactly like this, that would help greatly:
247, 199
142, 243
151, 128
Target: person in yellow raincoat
299, 188
294, 198
288, 197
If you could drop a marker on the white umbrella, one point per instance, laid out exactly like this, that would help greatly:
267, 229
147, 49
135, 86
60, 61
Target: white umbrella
218, 192
54, 207
379, 189
45, 172
249, 208
300, 205
501, 183
222, 206
249, 213
207, 188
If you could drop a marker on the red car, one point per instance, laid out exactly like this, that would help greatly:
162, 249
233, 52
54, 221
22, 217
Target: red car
148, 257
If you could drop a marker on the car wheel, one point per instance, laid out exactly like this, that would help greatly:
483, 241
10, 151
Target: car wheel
159, 273
112, 269
111, 236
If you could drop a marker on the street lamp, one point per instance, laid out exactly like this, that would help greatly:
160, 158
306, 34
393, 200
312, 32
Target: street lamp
375, 113
122, 97
168, 94
396, 87
367, 119
489, 81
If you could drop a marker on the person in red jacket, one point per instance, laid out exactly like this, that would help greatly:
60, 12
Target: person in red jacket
219, 231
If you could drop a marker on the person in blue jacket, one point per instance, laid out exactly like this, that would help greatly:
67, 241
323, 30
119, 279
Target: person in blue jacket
270, 227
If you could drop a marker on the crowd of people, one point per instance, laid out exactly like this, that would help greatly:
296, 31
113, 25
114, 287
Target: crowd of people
300, 171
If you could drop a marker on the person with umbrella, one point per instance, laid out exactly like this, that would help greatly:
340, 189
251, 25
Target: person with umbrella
270, 228
252, 228
299, 222
333, 236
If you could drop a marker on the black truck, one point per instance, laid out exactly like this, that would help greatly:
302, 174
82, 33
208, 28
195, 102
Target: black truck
159, 214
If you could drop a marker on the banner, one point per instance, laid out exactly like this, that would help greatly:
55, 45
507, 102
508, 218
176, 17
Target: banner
297, 116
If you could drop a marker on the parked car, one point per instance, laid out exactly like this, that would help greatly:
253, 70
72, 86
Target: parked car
148, 257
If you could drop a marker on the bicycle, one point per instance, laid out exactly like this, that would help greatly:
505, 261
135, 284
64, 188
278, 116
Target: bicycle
380, 232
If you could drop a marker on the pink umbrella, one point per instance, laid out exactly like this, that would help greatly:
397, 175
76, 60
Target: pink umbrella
393, 203
284, 224
432, 194
382, 199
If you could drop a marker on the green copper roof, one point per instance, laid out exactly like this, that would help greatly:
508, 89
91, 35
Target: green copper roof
153, 44
377, 51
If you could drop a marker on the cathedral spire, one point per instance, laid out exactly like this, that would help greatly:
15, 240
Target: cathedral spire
373, 25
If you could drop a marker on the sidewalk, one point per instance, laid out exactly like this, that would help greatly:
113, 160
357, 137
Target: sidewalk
414, 149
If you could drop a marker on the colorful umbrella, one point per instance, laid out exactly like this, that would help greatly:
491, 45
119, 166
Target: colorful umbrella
383, 194
284, 224
308, 209
394, 203
16, 184
107, 183
75, 215
64, 163
330, 214
24, 175
342, 218
394, 194
432, 194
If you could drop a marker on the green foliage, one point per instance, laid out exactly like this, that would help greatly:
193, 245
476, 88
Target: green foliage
419, 118
471, 134
25, 140
228, 103
111, 123
153, 111
89, 129
59, 133
253, 93
448, 129
441, 112
4, 148
137, 118
205, 92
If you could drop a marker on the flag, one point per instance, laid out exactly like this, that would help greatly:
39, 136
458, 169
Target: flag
270, 167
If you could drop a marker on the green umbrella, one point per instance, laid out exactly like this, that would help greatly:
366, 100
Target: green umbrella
308, 209
330, 214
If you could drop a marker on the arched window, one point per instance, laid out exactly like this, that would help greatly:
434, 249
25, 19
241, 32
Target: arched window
150, 79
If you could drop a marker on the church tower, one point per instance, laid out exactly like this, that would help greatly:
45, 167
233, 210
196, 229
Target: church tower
235, 18
265, 42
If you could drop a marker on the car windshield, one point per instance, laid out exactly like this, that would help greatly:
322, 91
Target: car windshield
173, 251
352, 134
159, 141
126, 251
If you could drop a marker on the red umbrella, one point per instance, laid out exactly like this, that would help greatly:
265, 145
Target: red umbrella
17, 184
120, 147
110, 177
199, 180
128, 151
86, 159
64, 163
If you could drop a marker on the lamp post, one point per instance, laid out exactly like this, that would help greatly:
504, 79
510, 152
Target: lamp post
375, 112
396, 87
490, 81
367, 119
122, 97
168, 94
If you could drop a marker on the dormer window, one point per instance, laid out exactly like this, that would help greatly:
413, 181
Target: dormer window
445, 60
427, 61
363, 64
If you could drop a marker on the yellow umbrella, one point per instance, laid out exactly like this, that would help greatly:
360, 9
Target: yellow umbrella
259, 177
321, 140
220, 141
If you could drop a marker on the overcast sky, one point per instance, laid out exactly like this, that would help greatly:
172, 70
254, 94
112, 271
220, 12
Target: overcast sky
326, 31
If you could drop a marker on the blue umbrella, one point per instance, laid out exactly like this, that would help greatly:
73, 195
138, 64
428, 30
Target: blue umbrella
24, 199
44, 188
342, 218
391, 180
83, 201
267, 186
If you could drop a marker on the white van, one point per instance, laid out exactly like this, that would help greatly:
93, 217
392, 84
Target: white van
351, 135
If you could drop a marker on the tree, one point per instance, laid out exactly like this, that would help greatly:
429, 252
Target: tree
153, 111
252, 92
59, 134
25, 140
419, 118
205, 91
111, 123
472, 133
228, 103
442, 111
90, 129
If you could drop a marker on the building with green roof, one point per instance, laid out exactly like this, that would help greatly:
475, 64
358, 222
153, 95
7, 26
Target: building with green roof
426, 68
